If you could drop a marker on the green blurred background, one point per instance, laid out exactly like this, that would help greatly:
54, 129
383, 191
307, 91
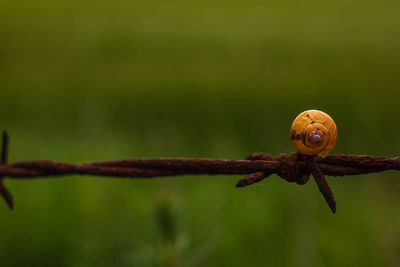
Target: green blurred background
94, 80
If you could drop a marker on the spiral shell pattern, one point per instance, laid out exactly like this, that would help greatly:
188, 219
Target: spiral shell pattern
313, 132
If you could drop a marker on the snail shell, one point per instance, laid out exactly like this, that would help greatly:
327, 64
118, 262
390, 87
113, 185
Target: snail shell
313, 132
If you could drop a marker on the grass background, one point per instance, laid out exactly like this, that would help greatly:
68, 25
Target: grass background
94, 80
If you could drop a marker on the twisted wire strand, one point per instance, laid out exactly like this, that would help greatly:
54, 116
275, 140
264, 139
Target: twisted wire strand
294, 167
283, 165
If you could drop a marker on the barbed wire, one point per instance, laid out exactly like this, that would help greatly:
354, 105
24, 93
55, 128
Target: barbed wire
294, 167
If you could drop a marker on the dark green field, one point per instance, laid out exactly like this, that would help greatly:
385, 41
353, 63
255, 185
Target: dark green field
83, 81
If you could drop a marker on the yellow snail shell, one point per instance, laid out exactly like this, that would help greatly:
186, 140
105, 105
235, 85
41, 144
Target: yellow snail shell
313, 132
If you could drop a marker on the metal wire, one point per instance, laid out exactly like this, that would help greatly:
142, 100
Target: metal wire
294, 167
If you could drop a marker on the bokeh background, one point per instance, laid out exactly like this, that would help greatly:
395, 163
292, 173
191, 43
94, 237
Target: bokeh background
94, 80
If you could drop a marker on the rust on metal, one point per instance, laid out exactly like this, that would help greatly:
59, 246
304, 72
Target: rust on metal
293, 167
4, 158
321, 182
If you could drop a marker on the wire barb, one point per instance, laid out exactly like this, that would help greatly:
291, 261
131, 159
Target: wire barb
322, 183
294, 167
4, 158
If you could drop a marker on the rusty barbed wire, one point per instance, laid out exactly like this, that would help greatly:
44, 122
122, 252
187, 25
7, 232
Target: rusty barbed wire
294, 167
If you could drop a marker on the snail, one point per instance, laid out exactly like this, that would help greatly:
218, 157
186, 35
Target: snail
313, 133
